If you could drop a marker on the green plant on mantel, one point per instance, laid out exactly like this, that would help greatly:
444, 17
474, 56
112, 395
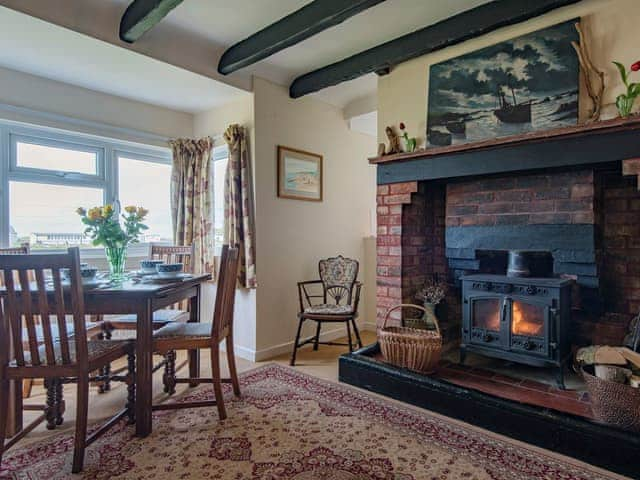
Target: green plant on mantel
625, 101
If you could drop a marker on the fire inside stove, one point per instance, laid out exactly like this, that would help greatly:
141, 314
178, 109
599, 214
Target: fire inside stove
526, 319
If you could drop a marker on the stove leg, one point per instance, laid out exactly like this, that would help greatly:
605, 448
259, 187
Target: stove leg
559, 374
463, 355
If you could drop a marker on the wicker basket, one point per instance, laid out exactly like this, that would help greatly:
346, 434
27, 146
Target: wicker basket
613, 403
415, 349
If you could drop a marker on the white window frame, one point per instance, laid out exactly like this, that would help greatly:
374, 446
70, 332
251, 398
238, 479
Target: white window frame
106, 178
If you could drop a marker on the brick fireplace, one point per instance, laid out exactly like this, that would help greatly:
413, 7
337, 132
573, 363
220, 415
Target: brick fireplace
586, 218
572, 197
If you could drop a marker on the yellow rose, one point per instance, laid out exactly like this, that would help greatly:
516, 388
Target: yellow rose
81, 211
107, 210
94, 213
142, 212
130, 209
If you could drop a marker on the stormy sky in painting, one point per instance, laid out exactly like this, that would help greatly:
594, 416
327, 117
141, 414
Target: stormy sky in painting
536, 65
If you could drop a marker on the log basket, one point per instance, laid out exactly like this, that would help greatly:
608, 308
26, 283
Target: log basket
613, 403
415, 349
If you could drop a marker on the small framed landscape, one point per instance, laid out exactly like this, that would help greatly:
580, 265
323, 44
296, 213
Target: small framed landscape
299, 174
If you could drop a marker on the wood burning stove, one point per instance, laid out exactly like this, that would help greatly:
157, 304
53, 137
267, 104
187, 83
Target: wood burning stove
519, 319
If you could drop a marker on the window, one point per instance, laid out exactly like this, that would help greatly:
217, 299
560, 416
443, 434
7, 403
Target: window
45, 175
146, 183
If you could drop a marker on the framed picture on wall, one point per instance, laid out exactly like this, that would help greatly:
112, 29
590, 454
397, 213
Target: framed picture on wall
299, 174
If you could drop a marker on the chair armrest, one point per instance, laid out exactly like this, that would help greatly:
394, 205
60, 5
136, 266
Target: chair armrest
356, 299
303, 294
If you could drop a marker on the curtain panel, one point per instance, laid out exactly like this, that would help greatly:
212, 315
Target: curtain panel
238, 204
191, 200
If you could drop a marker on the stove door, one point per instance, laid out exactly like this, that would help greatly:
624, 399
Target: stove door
528, 322
487, 315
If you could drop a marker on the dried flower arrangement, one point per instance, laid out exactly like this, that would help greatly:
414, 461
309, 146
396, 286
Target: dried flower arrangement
433, 292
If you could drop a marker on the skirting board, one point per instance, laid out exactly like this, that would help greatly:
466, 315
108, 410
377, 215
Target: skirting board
274, 351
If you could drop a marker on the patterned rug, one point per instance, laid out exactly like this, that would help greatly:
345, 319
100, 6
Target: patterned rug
289, 425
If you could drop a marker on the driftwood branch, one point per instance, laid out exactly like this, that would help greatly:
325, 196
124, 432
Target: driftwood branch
595, 88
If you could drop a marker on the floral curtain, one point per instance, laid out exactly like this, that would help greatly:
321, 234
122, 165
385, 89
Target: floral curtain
238, 204
191, 200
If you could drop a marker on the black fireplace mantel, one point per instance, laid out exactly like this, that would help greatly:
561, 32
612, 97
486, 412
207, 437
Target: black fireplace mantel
598, 143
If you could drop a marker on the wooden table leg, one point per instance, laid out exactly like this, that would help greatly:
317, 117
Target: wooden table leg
144, 369
194, 355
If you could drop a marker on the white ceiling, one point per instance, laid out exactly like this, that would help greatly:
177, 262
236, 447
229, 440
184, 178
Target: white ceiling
33, 46
216, 23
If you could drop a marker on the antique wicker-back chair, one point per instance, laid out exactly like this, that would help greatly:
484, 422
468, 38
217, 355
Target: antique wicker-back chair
57, 360
340, 294
192, 336
93, 328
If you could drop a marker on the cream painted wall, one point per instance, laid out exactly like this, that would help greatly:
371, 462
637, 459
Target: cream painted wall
611, 26
292, 235
213, 123
111, 114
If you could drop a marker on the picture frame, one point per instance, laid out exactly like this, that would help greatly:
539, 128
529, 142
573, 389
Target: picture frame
520, 85
300, 175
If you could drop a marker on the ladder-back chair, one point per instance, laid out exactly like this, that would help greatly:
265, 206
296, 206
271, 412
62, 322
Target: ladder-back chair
191, 336
60, 358
339, 291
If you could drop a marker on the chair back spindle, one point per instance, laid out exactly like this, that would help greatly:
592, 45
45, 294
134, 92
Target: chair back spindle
32, 304
174, 254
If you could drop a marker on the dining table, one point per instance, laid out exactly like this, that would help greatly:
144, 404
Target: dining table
142, 297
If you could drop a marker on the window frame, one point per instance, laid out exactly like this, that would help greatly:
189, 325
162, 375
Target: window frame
106, 178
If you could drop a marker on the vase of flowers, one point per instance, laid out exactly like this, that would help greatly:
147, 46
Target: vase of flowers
104, 228
625, 101
431, 295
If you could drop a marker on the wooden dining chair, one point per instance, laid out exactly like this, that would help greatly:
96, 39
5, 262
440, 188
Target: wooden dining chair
192, 336
93, 328
63, 360
336, 302
175, 313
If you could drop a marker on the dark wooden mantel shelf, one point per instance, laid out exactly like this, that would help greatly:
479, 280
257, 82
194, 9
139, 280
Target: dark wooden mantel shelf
600, 142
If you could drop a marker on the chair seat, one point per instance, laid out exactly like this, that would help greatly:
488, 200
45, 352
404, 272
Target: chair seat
92, 328
329, 309
160, 318
184, 330
96, 348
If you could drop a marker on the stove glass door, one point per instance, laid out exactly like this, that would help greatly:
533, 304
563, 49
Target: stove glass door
486, 314
527, 319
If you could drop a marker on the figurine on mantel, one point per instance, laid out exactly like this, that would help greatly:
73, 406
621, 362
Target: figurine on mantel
409, 143
394, 143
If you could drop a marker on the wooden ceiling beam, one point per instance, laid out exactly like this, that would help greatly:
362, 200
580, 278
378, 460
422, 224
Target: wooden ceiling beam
456, 29
311, 19
142, 15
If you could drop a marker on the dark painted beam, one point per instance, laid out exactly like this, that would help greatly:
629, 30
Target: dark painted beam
142, 15
313, 18
459, 28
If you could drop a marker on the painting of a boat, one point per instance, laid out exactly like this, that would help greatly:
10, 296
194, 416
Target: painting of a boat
513, 112
521, 85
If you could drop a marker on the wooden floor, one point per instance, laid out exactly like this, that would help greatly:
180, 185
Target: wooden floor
322, 364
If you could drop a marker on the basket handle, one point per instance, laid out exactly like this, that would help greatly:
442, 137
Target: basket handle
407, 305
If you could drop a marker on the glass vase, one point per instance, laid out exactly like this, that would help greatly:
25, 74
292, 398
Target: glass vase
117, 257
625, 105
